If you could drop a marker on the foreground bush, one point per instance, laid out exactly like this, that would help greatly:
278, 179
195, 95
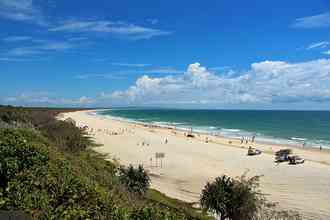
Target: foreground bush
230, 198
43, 183
240, 199
66, 136
136, 180
19, 153
48, 183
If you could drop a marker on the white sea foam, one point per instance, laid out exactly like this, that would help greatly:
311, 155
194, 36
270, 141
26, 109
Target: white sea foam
224, 132
298, 139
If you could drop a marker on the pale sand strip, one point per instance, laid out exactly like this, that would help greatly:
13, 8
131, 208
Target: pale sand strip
190, 163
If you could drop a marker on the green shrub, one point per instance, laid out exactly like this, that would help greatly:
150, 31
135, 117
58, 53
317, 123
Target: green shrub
136, 180
18, 153
48, 170
44, 186
240, 198
66, 136
230, 198
151, 213
11, 115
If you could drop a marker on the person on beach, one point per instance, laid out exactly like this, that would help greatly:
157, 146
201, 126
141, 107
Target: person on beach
320, 147
166, 141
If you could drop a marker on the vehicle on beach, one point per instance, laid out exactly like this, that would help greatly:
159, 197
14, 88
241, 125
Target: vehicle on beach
282, 155
295, 159
253, 151
190, 135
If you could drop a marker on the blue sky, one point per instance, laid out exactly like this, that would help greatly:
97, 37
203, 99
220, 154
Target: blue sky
210, 54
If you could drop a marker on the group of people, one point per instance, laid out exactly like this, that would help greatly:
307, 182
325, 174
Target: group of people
92, 131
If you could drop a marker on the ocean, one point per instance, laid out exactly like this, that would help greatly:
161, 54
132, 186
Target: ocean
308, 128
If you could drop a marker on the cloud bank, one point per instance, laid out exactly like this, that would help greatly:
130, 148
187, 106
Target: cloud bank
267, 82
45, 98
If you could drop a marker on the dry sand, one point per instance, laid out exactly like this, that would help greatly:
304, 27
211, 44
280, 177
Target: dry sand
190, 162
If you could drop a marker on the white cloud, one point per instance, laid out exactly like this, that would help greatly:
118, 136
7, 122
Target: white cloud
123, 74
9, 59
23, 51
315, 21
83, 100
16, 38
265, 83
131, 64
163, 70
318, 45
78, 39
326, 52
120, 29
42, 47
21, 10
101, 76
45, 98
217, 68
56, 46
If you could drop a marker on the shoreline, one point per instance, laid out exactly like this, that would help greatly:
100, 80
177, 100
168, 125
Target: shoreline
223, 140
190, 163
293, 142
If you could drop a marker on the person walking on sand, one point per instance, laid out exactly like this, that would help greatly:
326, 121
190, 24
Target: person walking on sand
166, 141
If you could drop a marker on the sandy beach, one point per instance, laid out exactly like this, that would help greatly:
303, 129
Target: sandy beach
189, 163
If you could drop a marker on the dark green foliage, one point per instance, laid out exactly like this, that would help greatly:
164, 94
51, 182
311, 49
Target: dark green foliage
240, 199
10, 115
151, 213
66, 136
45, 186
232, 198
136, 180
94, 168
48, 171
19, 153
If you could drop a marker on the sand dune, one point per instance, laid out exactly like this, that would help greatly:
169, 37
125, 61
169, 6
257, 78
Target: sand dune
190, 163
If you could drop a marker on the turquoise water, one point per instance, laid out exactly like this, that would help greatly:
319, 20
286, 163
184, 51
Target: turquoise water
287, 127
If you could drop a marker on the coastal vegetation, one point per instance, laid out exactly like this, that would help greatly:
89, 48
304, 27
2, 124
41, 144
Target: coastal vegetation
135, 180
49, 170
240, 198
